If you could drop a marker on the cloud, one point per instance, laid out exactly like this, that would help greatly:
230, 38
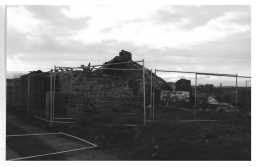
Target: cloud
198, 15
21, 19
180, 29
56, 20
231, 53
35, 25
192, 38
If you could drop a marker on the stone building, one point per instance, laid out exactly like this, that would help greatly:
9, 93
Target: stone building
91, 89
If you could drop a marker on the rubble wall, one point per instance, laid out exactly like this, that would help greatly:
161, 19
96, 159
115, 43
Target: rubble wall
80, 91
17, 93
90, 92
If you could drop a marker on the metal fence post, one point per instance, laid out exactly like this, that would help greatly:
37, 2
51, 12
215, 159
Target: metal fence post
195, 105
154, 99
151, 93
53, 96
50, 97
144, 91
28, 94
236, 93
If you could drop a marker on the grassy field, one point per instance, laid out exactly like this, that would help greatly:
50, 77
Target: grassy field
27, 140
28, 146
227, 139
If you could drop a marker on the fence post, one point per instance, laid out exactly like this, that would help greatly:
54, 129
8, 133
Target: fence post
236, 93
28, 94
154, 94
144, 91
50, 114
195, 105
53, 96
151, 93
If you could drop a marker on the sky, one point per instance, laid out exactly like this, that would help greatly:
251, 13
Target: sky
191, 38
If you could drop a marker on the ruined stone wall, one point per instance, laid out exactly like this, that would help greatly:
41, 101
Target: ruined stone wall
91, 91
16, 94
39, 86
18, 98
81, 91
77, 92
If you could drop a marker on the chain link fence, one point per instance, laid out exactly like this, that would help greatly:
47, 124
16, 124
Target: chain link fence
200, 96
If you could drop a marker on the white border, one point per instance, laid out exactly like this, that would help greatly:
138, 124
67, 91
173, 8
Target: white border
52, 121
54, 153
130, 163
32, 134
3, 81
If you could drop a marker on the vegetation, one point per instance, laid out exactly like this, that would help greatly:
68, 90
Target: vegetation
227, 139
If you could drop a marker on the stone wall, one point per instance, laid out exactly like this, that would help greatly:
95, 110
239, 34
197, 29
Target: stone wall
82, 91
16, 94
97, 92
20, 99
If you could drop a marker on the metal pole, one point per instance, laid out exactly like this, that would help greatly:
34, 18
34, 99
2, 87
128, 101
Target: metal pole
202, 73
154, 105
151, 93
236, 95
50, 97
28, 94
195, 105
53, 94
144, 91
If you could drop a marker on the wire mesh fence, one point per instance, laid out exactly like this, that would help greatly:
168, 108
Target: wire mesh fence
38, 95
128, 94
109, 94
175, 100
200, 96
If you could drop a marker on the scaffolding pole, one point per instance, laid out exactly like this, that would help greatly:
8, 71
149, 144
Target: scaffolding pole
236, 92
202, 73
154, 105
144, 92
93, 66
151, 94
195, 105
50, 98
28, 94
53, 96
119, 69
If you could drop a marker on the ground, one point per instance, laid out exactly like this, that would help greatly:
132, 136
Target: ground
226, 139
41, 144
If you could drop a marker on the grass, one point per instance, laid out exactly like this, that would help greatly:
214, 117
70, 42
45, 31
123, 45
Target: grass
192, 141
27, 146
227, 139
223, 140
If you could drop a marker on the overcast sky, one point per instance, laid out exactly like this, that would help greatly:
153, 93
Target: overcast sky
192, 38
